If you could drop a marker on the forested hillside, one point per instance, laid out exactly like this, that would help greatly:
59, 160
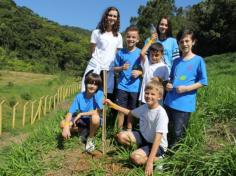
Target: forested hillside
29, 42
214, 22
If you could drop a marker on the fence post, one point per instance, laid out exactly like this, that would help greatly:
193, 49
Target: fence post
50, 103
1, 116
14, 114
32, 112
23, 115
45, 105
54, 101
40, 106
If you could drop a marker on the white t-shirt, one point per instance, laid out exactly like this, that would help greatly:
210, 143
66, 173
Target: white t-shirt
152, 121
106, 47
152, 70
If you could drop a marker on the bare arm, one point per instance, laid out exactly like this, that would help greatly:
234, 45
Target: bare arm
148, 44
90, 113
121, 68
93, 45
66, 126
117, 107
183, 89
150, 160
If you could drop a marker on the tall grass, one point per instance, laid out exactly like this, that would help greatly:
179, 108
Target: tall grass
209, 147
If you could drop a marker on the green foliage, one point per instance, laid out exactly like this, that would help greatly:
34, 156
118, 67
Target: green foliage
26, 96
215, 24
42, 45
150, 14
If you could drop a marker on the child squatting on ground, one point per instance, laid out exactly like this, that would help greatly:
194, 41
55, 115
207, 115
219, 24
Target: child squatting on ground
188, 74
152, 135
84, 112
127, 64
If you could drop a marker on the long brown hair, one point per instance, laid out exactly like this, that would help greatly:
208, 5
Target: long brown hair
103, 25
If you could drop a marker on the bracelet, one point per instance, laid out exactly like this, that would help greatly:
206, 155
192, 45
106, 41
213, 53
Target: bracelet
151, 41
66, 123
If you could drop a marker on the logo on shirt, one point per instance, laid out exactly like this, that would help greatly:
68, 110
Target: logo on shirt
183, 77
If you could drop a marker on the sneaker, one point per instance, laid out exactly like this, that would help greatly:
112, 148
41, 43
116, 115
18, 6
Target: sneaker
159, 164
89, 147
84, 135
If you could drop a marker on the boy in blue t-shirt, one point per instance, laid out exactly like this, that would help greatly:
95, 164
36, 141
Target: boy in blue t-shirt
127, 64
188, 74
84, 111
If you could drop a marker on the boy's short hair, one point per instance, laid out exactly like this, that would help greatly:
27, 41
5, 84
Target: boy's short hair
156, 83
157, 47
132, 28
183, 32
93, 78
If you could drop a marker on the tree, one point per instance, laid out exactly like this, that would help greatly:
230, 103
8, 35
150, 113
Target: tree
150, 14
214, 22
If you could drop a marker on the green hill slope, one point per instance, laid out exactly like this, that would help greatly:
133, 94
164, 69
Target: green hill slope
31, 43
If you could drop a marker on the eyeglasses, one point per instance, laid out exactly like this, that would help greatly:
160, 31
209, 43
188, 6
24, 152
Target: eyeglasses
110, 15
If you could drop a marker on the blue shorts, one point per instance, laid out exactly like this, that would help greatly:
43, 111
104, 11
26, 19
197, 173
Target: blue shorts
145, 145
84, 122
127, 99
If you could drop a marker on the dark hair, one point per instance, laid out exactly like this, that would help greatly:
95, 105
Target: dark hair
182, 33
102, 25
157, 47
169, 30
155, 83
132, 28
94, 79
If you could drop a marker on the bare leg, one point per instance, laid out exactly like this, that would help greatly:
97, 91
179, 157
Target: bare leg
138, 157
94, 125
120, 117
126, 137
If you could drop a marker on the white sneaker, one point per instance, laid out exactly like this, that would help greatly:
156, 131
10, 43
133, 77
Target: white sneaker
84, 135
159, 164
89, 147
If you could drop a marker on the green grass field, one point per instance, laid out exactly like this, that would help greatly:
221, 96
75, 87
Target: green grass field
209, 147
25, 87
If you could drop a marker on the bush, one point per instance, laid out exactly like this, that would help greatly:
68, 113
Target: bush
26, 96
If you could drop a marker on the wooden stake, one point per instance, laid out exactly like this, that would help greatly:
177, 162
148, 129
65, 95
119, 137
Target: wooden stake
23, 114
1, 116
104, 113
14, 114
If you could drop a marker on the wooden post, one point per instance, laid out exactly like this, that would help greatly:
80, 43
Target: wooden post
23, 114
32, 112
40, 106
14, 114
45, 105
104, 113
58, 95
54, 101
1, 116
50, 103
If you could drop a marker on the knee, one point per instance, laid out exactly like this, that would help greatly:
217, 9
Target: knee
95, 120
62, 124
121, 137
138, 159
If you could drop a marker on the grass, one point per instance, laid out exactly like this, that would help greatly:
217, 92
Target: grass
22, 87
209, 147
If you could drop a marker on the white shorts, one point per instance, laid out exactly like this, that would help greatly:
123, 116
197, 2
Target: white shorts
95, 68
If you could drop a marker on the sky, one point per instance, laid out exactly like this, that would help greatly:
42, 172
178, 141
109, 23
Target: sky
87, 13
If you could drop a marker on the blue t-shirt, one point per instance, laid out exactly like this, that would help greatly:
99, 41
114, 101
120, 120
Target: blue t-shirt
171, 50
83, 104
126, 81
186, 73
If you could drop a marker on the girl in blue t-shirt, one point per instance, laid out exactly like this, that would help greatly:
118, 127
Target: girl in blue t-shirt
165, 37
84, 111
188, 74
